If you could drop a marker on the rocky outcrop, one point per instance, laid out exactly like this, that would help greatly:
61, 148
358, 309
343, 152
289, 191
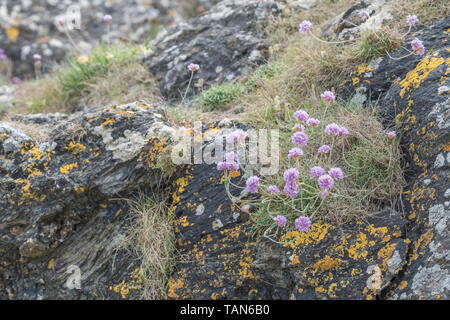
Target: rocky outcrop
226, 42
349, 24
58, 216
29, 27
413, 94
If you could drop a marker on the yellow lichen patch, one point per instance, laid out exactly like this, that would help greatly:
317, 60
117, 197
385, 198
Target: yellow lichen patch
316, 234
66, 169
75, 147
403, 284
415, 77
108, 121
12, 33
51, 264
384, 254
326, 264
421, 244
359, 249
135, 283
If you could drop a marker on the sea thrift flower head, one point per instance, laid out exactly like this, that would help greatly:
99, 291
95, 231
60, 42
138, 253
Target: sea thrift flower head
313, 122
16, 80
328, 95
193, 67
302, 224
412, 19
107, 18
336, 173
252, 184
273, 189
2, 51
300, 138
290, 175
417, 46
326, 182
324, 194
305, 26
231, 157
324, 149
363, 14
301, 115
343, 131
316, 172
295, 153
391, 134
230, 162
298, 127
236, 135
3, 56
280, 220
333, 129
60, 21
36, 57
291, 189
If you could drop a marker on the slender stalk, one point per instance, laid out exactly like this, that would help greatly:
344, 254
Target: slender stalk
188, 86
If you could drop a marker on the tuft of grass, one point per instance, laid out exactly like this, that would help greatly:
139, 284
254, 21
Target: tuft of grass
112, 74
375, 43
152, 239
219, 96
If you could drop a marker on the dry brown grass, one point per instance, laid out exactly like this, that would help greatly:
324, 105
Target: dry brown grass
152, 239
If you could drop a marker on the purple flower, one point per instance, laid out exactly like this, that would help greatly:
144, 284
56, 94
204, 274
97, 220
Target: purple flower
324, 194
412, 19
273, 189
107, 18
3, 56
363, 14
326, 182
313, 122
280, 220
60, 21
295, 153
336, 173
16, 80
230, 162
392, 134
301, 115
328, 95
2, 51
290, 175
417, 46
305, 26
252, 184
193, 67
236, 135
333, 129
343, 131
324, 149
36, 57
316, 172
302, 224
300, 138
291, 189
298, 127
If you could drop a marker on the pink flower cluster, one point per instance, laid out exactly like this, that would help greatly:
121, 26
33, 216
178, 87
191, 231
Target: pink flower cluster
335, 130
230, 163
193, 67
305, 26
252, 184
236, 135
2, 54
418, 47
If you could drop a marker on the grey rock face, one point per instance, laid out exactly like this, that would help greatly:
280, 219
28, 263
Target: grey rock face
57, 218
409, 94
226, 42
29, 27
348, 25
